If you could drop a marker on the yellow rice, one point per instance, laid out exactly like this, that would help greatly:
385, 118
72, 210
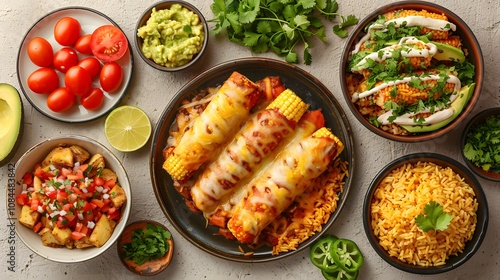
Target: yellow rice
311, 210
402, 196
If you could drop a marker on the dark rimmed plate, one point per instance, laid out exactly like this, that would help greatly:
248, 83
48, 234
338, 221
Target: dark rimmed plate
192, 225
89, 20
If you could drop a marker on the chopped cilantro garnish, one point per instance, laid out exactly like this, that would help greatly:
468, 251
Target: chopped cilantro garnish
148, 244
483, 144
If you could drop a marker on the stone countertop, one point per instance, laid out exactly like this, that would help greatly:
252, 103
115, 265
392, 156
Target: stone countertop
151, 90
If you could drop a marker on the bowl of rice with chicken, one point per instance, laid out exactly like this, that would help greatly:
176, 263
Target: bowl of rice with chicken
425, 213
412, 71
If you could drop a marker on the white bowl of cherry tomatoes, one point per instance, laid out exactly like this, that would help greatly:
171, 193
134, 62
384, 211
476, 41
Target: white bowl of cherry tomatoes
74, 64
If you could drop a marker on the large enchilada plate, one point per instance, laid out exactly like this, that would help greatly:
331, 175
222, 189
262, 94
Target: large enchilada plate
192, 225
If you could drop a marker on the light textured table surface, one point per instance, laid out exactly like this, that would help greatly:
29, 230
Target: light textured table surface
152, 90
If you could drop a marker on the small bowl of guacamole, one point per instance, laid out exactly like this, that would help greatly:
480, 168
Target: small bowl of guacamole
171, 35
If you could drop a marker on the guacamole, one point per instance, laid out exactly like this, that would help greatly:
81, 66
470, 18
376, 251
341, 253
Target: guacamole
172, 37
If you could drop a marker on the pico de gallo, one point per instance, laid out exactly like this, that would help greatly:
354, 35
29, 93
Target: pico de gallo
72, 200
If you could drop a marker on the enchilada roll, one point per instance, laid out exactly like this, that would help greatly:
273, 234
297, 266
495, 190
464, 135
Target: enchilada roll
221, 119
260, 135
286, 178
307, 125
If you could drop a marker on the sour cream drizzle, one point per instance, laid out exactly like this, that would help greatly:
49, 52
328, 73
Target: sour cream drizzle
406, 119
431, 23
408, 51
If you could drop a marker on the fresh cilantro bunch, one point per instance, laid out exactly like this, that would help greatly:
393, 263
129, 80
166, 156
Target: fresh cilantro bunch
434, 218
148, 244
278, 25
483, 144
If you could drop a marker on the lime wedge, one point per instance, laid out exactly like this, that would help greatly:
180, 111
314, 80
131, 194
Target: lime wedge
127, 128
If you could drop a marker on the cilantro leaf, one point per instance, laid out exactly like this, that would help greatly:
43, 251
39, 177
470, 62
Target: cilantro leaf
434, 218
147, 244
281, 26
483, 144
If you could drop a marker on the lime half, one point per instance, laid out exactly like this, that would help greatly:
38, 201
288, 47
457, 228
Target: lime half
127, 128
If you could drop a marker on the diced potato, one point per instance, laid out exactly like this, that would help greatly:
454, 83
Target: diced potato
79, 154
83, 243
108, 174
59, 157
63, 235
97, 162
37, 183
48, 239
29, 217
47, 223
102, 232
117, 196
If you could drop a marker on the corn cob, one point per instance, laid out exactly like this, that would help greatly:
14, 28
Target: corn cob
175, 167
326, 133
289, 105
436, 34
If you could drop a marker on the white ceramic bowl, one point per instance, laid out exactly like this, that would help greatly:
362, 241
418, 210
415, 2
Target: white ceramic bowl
36, 154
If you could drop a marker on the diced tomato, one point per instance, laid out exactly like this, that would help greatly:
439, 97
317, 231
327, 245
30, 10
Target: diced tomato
67, 207
78, 227
88, 216
65, 171
84, 230
115, 216
97, 216
97, 202
34, 204
62, 222
91, 188
83, 167
98, 181
111, 210
62, 196
37, 227
77, 176
110, 183
75, 235
39, 173
105, 208
87, 207
22, 199
27, 179
76, 190
51, 194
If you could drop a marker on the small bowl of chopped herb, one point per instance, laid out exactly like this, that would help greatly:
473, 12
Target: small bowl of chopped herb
145, 247
171, 35
480, 144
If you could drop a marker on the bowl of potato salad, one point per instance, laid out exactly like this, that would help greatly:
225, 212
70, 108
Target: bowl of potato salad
73, 198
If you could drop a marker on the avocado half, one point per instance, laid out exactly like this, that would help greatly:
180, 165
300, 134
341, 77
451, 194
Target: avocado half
447, 52
458, 105
11, 122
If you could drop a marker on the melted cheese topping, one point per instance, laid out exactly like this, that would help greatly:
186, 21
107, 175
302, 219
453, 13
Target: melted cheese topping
222, 118
257, 139
274, 191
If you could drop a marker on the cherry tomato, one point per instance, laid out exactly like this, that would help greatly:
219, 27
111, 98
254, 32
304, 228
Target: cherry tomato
43, 80
83, 44
92, 65
67, 31
64, 59
108, 43
60, 100
111, 76
78, 81
40, 52
93, 100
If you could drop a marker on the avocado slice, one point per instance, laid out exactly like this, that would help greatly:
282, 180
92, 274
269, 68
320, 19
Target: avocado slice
457, 106
447, 52
11, 120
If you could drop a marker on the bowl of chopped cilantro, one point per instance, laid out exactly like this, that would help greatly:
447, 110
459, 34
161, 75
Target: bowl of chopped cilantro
480, 144
411, 71
145, 247
425, 213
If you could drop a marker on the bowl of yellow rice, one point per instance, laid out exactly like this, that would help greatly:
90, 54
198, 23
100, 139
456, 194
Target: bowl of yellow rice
411, 71
425, 213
